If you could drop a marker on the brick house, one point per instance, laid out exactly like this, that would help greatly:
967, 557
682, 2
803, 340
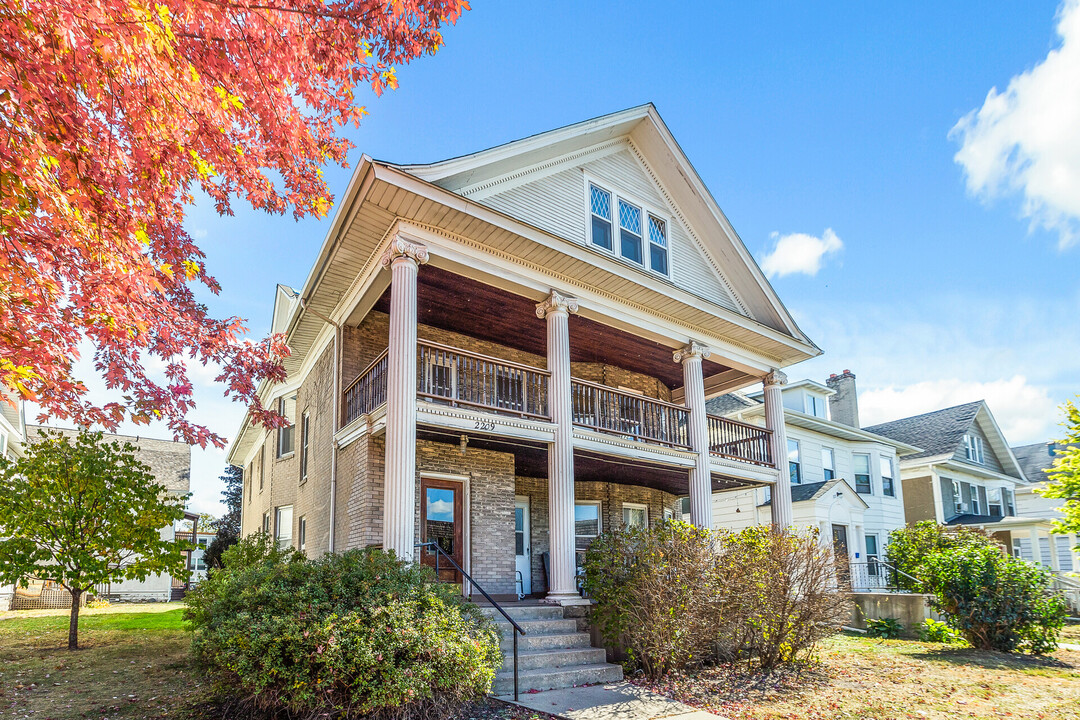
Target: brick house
508, 352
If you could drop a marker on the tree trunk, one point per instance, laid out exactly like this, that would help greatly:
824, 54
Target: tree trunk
73, 624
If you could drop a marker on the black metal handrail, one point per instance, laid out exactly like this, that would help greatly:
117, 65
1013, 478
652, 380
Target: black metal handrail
439, 552
876, 574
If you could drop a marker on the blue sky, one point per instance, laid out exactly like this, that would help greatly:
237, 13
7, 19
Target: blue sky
948, 282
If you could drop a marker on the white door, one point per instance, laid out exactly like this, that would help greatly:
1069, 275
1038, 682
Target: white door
522, 549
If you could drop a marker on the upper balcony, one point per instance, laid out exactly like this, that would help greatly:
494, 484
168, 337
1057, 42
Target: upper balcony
459, 378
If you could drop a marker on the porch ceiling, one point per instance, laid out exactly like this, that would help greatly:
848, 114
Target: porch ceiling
459, 304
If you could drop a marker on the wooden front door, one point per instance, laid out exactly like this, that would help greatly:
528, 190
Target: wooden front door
442, 521
840, 551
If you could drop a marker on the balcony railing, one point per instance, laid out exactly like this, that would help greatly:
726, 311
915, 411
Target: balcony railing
461, 378
740, 441
368, 390
607, 410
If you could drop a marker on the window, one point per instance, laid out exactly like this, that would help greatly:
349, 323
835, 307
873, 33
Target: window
766, 495
658, 245
994, 506
828, 463
872, 556
305, 433
958, 503
684, 508
586, 526
794, 466
301, 529
600, 205
250, 483
863, 486
887, 486
1017, 549
283, 526
643, 237
669, 514
630, 232
262, 465
1007, 496
634, 515
287, 408
975, 509
973, 448
814, 405
266, 523
519, 531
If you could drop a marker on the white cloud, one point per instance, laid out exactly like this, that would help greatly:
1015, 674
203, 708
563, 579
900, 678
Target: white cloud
1024, 411
800, 253
440, 510
1024, 140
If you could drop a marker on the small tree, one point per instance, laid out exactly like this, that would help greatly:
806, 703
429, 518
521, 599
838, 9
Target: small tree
1064, 474
80, 512
228, 527
910, 547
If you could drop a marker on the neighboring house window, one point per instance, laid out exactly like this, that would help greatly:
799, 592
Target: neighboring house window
305, 432
669, 514
586, 526
262, 465
301, 530
630, 232
828, 463
872, 556
684, 508
287, 408
658, 245
1017, 549
958, 503
887, 486
1007, 496
973, 448
862, 474
283, 526
250, 481
634, 515
266, 523
600, 205
994, 506
815, 405
975, 509
766, 495
794, 466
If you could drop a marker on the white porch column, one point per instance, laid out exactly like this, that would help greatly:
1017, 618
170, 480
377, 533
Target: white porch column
774, 420
694, 393
399, 498
1036, 550
556, 310
1055, 560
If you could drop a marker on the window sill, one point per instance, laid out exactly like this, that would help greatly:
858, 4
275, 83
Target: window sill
286, 456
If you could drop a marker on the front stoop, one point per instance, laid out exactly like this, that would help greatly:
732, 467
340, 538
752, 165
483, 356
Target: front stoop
552, 654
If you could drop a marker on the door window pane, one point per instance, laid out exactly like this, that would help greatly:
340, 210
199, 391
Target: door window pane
439, 518
519, 531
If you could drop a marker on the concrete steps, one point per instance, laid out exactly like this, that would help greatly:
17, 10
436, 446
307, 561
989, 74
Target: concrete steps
552, 654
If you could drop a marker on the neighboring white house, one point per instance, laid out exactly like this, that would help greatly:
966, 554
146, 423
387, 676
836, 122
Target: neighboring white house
1035, 460
844, 481
12, 435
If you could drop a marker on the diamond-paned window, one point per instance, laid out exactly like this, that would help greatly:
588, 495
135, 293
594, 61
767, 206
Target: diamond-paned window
629, 218
642, 237
658, 253
600, 204
630, 232
657, 231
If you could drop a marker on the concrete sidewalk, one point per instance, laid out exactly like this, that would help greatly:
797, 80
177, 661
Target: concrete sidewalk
615, 701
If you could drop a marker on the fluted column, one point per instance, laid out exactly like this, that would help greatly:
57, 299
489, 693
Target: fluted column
556, 310
774, 420
694, 393
399, 498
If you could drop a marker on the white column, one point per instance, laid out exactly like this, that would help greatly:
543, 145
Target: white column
774, 420
1036, 550
556, 310
1055, 561
694, 395
399, 498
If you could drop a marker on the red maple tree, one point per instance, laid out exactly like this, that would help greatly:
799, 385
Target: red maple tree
113, 113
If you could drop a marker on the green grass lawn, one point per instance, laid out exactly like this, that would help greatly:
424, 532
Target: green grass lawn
133, 663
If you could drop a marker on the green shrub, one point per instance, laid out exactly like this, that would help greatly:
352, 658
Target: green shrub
995, 601
674, 596
885, 628
358, 634
936, 631
909, 547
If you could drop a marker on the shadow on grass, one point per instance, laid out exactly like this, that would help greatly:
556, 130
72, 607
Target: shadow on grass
992, 660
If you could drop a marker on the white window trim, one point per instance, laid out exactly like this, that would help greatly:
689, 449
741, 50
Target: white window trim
973, 449
831, 452
869, 472
616, 236
636, 506
891, 475
798, 461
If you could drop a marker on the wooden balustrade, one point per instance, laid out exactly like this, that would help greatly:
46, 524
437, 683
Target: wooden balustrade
368, 390
607, 410
461, 378
740, 441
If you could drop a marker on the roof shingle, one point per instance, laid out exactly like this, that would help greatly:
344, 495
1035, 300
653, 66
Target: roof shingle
937, 433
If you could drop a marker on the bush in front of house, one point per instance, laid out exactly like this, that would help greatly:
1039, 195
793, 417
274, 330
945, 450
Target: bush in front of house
355, 634
938, 631
995, 601
909, 547
674, 596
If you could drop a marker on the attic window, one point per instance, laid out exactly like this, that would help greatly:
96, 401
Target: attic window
642, 238
973, 449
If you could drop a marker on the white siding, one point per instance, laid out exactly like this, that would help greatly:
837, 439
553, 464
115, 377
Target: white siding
556, 203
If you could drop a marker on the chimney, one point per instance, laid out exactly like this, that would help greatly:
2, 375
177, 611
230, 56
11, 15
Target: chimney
844, 405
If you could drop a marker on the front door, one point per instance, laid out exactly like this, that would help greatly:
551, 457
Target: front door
442, 522
522, 548
840, 550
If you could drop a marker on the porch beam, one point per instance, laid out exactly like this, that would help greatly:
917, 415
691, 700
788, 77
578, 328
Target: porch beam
774, 420
690, 358
403, 257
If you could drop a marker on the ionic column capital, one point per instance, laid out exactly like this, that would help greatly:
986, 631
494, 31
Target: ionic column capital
776, 377
694, 350
556, 302
403, 247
